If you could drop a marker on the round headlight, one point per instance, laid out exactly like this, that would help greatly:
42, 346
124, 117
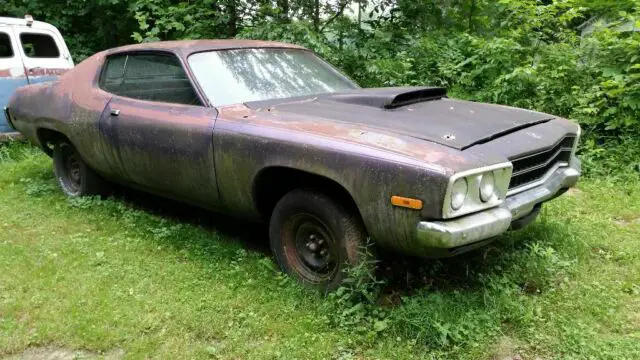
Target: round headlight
487, 187
459, 193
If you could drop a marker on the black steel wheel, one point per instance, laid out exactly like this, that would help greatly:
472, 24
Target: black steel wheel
314, 239
314, 251
73, 175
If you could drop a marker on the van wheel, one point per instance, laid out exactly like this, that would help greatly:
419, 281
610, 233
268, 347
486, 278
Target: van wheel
73, 174
314, 239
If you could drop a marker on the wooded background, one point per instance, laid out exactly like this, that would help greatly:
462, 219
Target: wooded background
525, 53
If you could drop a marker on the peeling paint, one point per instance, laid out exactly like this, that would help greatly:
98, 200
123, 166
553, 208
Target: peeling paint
213, 157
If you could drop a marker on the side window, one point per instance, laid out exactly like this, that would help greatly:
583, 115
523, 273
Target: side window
153, 77
39, 45
113, 74
6, 50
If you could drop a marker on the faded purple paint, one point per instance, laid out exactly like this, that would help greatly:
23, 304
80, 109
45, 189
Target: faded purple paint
215, 157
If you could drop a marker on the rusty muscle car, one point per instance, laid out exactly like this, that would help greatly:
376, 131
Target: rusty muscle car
270, 132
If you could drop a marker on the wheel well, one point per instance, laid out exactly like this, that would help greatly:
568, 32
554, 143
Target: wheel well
273, 183
46, 137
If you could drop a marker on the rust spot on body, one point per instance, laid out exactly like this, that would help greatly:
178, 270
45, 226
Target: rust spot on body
353, 133
14, 72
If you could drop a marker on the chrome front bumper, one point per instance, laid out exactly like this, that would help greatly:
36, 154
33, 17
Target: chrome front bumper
493, 222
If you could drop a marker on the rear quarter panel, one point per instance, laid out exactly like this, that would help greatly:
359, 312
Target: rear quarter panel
71, 105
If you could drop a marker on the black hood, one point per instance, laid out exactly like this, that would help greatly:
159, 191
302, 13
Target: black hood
420, 112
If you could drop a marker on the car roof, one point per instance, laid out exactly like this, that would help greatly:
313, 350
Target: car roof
187, 47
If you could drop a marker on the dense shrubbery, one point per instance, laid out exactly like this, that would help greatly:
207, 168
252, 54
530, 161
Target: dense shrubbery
525, 53
595, 80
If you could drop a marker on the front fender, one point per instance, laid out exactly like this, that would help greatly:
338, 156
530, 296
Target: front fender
369, 174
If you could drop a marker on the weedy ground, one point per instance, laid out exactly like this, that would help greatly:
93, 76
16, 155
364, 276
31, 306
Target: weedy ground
139, 276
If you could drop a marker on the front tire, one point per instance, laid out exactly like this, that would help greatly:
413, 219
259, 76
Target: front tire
314, 239
74, 176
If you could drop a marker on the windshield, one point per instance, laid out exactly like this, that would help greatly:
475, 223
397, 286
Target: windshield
238, 76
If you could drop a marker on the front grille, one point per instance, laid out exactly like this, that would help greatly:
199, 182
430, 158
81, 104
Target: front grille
531, 168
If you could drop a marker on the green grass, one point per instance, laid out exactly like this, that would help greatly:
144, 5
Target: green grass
133, 274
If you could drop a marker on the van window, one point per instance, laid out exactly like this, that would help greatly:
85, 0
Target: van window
39, 45
6, 50
153, 77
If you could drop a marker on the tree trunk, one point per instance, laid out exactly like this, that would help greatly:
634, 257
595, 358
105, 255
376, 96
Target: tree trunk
472, 10
341, 6
232, 13
316, 15
284, 10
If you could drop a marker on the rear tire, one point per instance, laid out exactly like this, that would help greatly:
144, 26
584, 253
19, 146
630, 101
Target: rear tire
315, 239
74, 176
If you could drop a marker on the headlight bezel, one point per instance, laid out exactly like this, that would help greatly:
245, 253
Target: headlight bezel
473, 203
487, 197
454, 194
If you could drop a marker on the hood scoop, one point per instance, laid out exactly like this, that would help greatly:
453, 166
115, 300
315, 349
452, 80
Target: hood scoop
390, 98
432, 116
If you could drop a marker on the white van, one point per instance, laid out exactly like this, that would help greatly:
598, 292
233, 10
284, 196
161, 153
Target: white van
30, 52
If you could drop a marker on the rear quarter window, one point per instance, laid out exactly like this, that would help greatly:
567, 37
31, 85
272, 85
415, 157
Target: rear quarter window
113, 74
39, 45
152, 77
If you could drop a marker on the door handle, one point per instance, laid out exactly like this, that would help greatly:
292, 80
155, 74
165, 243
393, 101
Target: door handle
115, 112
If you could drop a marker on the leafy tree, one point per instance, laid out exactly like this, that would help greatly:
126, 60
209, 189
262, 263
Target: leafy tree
527, 53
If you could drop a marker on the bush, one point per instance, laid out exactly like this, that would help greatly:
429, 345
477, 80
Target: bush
525, 53
594, 81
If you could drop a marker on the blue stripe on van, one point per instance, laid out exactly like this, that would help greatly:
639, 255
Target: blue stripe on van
41, 79
7, 86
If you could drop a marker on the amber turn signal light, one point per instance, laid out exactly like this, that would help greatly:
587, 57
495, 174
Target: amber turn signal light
406, 202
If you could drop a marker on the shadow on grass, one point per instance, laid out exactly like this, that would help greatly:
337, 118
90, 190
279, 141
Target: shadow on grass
438, 303
403, 275
252, 236
515, 255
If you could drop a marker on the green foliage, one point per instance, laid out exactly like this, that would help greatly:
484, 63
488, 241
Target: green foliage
164, 19
354, 304
132, 275
13, 150
87, 26
6, 152
536, 286
522, 53
528, 55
